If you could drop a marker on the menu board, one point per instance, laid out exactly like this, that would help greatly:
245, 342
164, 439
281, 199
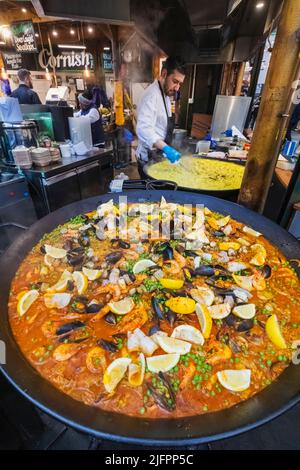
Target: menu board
13, 61
23, 36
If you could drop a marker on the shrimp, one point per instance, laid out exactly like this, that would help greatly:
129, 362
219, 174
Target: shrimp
112, 289
180, 260
135, 319
96, 360
173, 268
258, 281
189, 374
63, 352
222, 353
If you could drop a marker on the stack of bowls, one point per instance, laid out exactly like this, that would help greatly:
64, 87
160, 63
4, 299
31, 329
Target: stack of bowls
41, 156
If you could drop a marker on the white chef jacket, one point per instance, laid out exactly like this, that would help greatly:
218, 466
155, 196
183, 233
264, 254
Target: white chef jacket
93, 115
152, 119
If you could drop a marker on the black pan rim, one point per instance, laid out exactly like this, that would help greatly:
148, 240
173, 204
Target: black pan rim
170, 438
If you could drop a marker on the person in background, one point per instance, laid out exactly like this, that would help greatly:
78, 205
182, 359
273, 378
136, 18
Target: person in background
155, 123
90, 112
295, 118
24, 93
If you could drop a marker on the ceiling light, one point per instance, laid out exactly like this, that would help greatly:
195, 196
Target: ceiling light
36, 35
2, 43
55, 33
6, 32
68, 46
72, 32
24, 10
260, 5
90, 29
106, 48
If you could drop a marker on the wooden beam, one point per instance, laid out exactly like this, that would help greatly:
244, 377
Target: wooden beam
271, 121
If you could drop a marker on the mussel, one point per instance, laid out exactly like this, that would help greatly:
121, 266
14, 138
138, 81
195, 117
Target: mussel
107, 345
266, 271
76, 256
167, 399
67, 327
218, 233
42, 249
94, 307
110, 318
154, 329
79, 304
69, 244
161, 399
204, 270
171, 317
165, 249
157, 310
244, 325
113, 258
70, 285
118, 243
84, 240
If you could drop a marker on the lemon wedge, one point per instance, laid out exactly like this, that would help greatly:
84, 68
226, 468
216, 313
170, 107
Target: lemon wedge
244, 311
173, 345
60, 300
122, 307
115, 373
136, 372
26, 300
142, 265
251, 231
181, 305
48, 260
203, 295
62, 284
235, 380
260, 254
204, 319
81, 282
171, 283
245, 282
219, 311
273, 332
188, 333
91, 274
229, 245
56, 253
162, 363
224, 221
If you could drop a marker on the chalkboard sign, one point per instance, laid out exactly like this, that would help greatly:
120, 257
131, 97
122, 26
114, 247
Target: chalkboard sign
23, 36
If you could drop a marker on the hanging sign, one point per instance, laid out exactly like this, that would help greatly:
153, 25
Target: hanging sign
107, 62
23, 36
12, 61
66, 60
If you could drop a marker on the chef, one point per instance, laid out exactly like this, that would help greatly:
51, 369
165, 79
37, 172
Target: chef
90, 112
155, 123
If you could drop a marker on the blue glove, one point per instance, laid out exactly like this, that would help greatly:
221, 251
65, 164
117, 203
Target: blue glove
171, 154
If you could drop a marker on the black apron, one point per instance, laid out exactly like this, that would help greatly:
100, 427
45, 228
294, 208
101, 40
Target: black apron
171, 119
170, 128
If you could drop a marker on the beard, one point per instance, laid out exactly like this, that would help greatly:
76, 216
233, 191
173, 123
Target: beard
168, 92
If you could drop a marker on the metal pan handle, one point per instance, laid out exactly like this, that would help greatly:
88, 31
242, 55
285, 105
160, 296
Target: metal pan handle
161, 184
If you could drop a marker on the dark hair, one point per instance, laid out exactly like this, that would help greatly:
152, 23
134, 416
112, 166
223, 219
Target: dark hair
23, 74
87, 94
173, 63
